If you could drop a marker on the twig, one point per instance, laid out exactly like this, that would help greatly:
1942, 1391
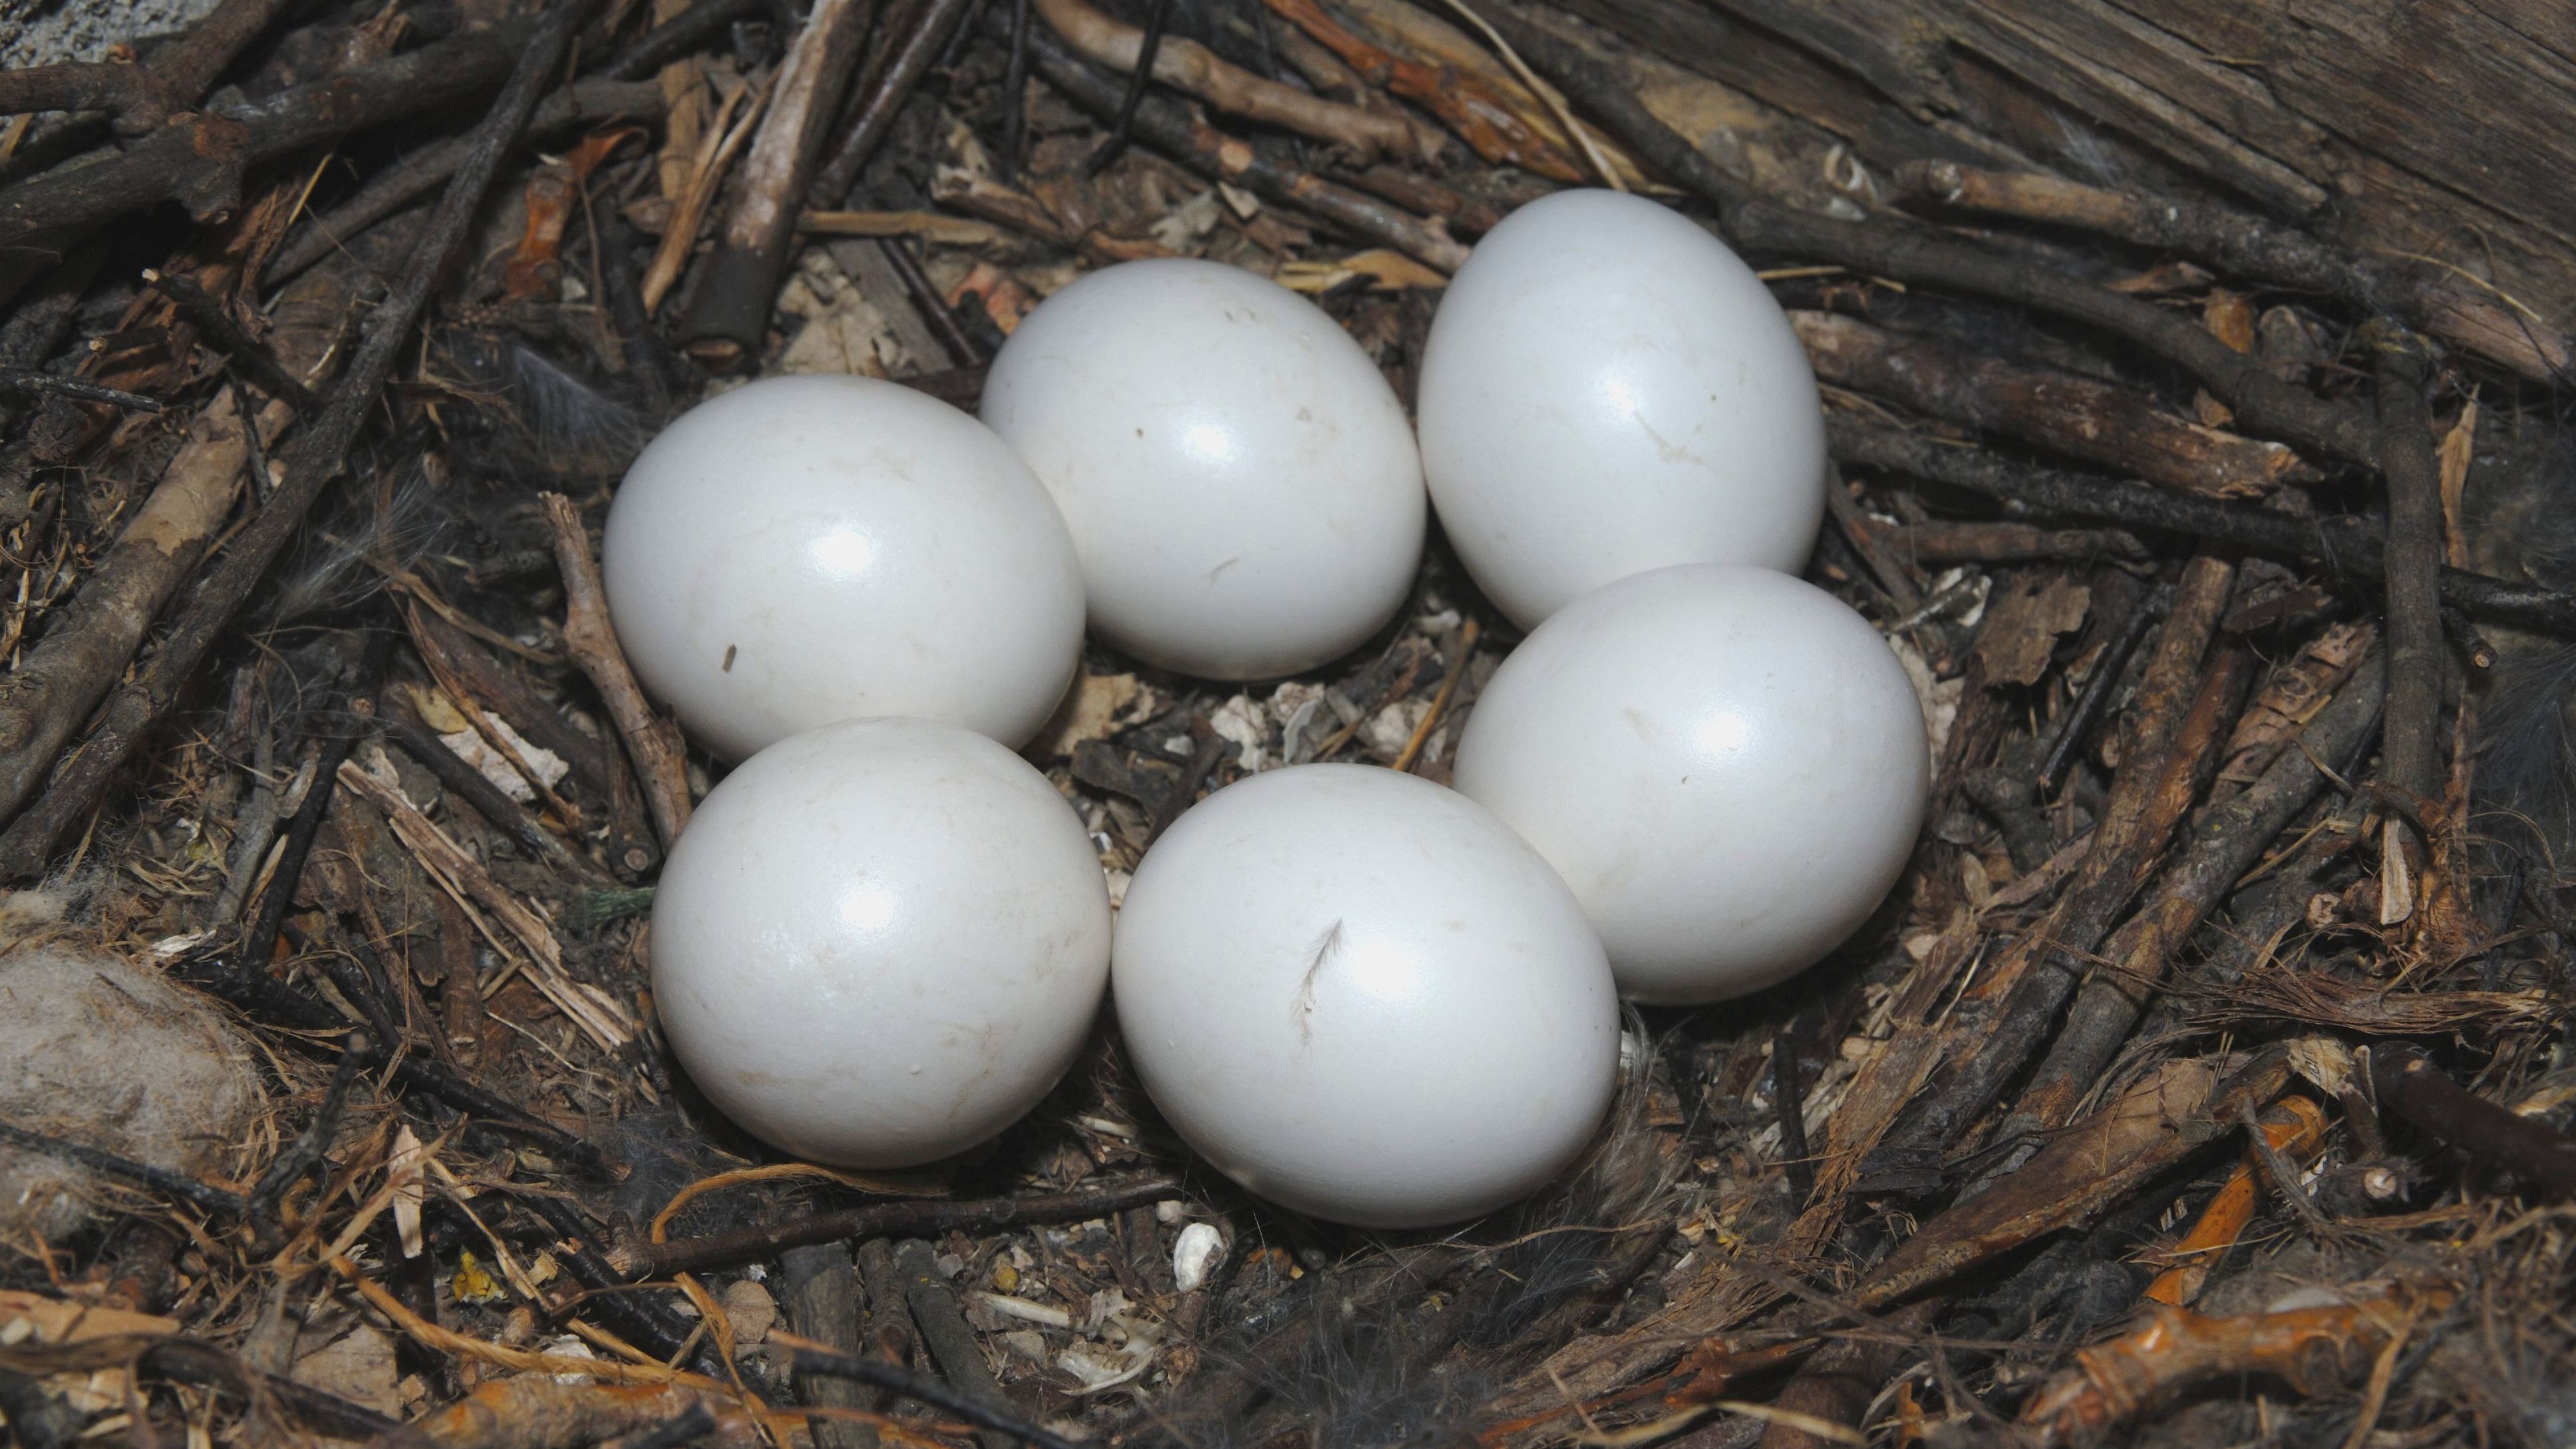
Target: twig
2063, 412
724, 136
314, 1140
319, 456
961, 346
2107, 672
144, 96
2294, 1125
728, 313
2255, 250
225, 335
1172, 130
26, 382
815, 1359
878, 1220
952, 1344
1789, 1109
883, 87
469, 784
2224, 842
2410, 749
1140, 74
1015, 95
1189, 67
2406, 1081
199, 158
393, 187
660, 756
1547, 95
1449, 682
680, 35
161, 1179
596, 1012
306, 824
2349, 546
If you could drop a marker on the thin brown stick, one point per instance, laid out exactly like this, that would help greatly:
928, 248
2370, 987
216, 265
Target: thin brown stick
1466, 647
1482, 119
2411, 755
1186, 65
891, 1219
729, 313
655, 745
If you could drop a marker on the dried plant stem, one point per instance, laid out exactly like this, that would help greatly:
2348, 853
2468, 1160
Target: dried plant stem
724, 136
654, 743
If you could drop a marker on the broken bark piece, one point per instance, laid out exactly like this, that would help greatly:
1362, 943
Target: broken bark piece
2116, 427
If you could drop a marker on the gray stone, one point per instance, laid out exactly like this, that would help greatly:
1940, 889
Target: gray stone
40, 32
97, 1050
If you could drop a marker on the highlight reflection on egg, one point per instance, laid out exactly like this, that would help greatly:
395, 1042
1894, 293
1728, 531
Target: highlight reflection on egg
1726, 764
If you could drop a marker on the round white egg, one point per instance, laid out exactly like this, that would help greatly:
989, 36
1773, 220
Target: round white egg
1241, 482
1360, 996
880, 942
810, 549
1725, 763
1607, 389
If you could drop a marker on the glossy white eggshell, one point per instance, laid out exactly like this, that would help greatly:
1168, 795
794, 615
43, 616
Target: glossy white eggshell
1607, 389
1241, 482
1360, 996
809, 549
880, 942
1726, 764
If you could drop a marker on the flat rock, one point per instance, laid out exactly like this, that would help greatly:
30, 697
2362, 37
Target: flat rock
100, 1051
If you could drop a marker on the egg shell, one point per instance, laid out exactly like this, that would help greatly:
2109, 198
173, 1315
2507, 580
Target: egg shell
880, 942
1726, 764
1242, 485
809, 549
1607, 389
1360, 996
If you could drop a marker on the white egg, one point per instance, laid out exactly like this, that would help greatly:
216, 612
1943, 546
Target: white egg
811, 549
880, 942
1240, 480
1360, 996
1726, 764
1607, 389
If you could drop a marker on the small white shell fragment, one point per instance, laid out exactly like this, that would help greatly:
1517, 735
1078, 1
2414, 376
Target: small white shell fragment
1194, 1256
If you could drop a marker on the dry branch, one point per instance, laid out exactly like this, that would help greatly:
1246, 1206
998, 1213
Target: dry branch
200, 158
2311, 1349
1186, 65
321, 452
2076, 416
1485, 121
729, 313
1203, 149
2255, 250
653, 743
